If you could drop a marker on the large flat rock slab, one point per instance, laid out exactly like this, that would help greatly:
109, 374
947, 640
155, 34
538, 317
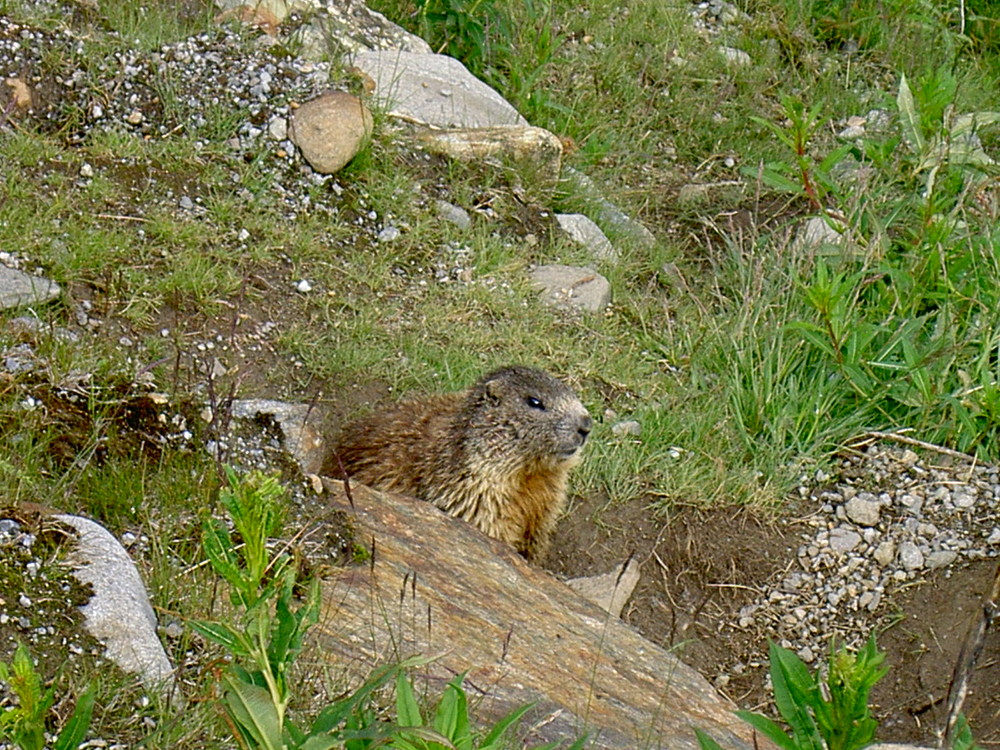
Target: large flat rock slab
435, 90
437, 587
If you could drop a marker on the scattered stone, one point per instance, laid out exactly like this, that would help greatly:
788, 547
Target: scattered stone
330, 130
585, 232
885, 553
815, 233
910, 556
581, 288
611, 590
388, 234
434, 90
843, 540
119, 614
863, 509
277, 128
941, 558
735, 57
453, 214
18, 289
607, 213
628, 428
964, 500
304, 286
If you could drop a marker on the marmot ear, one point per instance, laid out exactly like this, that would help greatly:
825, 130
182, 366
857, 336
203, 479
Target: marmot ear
493, 390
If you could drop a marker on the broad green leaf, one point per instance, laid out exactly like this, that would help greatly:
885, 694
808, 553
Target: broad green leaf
251, 708
972, 121
769, 729
407, 710
76, 728
909, 118
227, 637
795, 689
778, 181
336, 714
452, 717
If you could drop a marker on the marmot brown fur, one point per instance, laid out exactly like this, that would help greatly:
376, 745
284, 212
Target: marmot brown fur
497, 454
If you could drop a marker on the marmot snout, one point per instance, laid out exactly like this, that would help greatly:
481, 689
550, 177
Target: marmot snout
497, 455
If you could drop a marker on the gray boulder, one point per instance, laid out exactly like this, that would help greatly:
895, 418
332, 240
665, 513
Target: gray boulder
119, 614
434, 90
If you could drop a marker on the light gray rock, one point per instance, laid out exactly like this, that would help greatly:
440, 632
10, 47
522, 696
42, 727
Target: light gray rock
330, 130
910, 556
334, 26
611, 590
434, 90
453, 214
941, 558
585, 232
885, 553
570, 286
533, 152
843, 540
815, 233
18, 289
299, 423
350, 26
626, 428
863, 509
735, 57
119, 614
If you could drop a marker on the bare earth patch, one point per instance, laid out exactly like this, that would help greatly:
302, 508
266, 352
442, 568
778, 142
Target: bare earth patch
701, 567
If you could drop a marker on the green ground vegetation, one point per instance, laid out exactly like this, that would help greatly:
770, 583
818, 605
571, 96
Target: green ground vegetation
748, 358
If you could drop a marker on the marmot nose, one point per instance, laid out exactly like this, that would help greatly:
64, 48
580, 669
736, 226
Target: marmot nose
583, 430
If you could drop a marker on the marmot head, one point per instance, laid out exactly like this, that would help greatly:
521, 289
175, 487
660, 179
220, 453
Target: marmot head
521, 415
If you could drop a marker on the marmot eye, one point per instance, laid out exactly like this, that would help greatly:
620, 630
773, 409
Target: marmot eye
534, 403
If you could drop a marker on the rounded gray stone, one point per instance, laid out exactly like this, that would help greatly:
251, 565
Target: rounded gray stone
570, 286
18, 289
863, 509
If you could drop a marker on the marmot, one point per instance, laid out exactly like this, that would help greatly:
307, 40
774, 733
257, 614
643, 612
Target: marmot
497, 454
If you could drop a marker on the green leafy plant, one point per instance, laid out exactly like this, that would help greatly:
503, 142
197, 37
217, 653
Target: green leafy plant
805, 176
451, 726
458, 28
938, 138
256, 688
821, 714
25, 724
267, 640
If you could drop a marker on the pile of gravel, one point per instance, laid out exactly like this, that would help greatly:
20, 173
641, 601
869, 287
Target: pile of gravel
889, 519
